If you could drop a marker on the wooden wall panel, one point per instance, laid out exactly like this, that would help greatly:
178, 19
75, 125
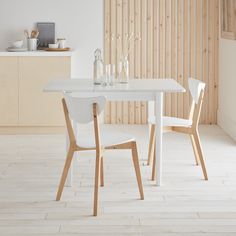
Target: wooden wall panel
113, 51
174, 105
205, 57
144, 36
180, 97
125, 30
179, 39
137, 55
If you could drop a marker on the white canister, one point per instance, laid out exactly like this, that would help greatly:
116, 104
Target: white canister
32, 44
61, 43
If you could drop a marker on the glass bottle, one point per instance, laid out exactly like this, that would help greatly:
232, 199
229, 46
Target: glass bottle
98, 67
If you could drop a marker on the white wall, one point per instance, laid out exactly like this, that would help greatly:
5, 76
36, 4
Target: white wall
79, 21
227, 87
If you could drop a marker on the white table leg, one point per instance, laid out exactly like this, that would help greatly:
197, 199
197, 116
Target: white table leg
151, 108
159, 124
151, 112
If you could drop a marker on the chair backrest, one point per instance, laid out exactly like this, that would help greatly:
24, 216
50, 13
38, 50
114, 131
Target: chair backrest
196, 88
81, 108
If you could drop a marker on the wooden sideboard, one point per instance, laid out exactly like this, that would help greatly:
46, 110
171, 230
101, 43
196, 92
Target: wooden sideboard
24, 107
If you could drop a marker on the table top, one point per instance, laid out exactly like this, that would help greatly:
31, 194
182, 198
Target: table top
134, 85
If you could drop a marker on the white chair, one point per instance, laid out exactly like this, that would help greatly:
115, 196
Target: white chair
84, 111
186, 126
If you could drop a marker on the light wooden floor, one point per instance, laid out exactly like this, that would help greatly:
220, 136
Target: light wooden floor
185, 205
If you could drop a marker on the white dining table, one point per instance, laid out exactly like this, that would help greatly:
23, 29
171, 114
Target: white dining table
136, 90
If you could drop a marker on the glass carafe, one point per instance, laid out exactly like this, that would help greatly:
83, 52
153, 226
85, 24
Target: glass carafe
98, 67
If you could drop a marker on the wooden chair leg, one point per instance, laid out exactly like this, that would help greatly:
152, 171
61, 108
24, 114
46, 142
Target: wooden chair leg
151, 145
96, 184
199, 148
102, 173
137, 169
154, 165
65, 172
195, 149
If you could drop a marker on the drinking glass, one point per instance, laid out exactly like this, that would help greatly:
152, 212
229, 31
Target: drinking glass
109, 75
112, 75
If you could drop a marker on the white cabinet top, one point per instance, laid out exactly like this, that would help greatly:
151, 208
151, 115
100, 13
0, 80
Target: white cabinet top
39, 53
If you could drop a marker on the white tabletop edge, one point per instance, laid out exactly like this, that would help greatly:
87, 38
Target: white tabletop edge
134, 85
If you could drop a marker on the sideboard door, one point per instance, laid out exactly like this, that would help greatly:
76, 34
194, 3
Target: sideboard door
8, 91
37, 108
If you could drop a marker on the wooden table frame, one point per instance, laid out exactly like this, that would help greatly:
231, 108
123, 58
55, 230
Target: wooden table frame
136, 90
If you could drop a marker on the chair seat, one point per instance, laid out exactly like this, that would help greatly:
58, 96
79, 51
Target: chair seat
87, 139
172, 121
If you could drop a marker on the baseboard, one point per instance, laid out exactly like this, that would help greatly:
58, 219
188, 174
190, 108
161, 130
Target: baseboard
31, 130
227, 124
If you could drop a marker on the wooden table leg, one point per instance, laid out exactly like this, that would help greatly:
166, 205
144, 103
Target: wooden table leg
69, 180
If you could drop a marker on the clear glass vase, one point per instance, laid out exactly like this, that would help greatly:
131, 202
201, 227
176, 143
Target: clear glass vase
123, 71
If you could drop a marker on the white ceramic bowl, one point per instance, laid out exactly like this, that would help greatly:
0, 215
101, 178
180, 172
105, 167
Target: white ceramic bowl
17, 44
53, 45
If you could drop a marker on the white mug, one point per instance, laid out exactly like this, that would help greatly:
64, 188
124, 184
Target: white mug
62, 43
32, 44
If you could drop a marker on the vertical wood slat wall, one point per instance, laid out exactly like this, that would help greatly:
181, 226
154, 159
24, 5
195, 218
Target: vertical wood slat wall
179, 39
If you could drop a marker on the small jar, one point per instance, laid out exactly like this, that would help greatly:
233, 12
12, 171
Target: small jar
61, 43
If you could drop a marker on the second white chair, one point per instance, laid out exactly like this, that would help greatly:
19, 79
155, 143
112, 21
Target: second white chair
186, 126
83, 111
